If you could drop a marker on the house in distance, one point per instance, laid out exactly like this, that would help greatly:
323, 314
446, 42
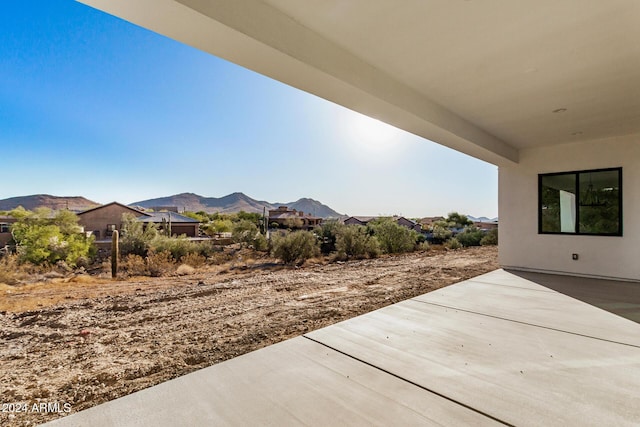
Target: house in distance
285, 218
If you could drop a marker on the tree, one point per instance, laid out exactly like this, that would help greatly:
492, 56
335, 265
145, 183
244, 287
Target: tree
254, 217
44, 237
327, 232
456, 220
393, 238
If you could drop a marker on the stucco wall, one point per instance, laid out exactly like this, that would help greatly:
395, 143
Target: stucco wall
97, 219
520, 244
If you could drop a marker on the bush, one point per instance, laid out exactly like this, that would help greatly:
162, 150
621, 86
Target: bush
10, 271
441, 233
293, 223
135, 238
471, 236
328, 232
424, 246
159, 263
194, 260
43, 238
178, 247
244, 232
353, 241
392, 237
185, 269
134, 265
452, 243
260, 243
491, 238
218, 226
295, 247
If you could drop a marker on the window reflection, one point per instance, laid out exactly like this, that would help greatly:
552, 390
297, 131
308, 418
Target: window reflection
585, 202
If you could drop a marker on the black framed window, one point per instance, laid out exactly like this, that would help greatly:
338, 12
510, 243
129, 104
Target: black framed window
581, 202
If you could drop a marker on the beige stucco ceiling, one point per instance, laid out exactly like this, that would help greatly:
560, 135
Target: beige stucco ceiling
480, 76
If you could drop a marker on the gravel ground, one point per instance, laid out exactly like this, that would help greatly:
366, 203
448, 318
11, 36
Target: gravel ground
87, 342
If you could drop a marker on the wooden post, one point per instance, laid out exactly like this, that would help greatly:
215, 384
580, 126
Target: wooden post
115, 251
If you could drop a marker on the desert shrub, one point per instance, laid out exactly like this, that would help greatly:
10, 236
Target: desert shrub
491, 238
244, 232
452, 243
178, 247
327, 232
441, 233
185, 269
220, 257
218, 226
134, 265
10, 270
135, 238
193, 259
159, 263
260, 243
295, 247
392, 237
470, 236
253, 217
353, 241
424, 246
43, 238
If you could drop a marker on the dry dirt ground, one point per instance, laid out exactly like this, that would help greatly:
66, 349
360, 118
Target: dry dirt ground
73, 344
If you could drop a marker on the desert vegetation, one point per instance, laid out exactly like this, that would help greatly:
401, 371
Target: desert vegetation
201, 301
44, 237
46, 241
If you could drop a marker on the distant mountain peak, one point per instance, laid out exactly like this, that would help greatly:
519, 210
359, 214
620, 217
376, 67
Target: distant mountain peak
236, 202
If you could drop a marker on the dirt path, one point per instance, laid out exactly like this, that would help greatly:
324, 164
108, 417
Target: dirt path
102, 341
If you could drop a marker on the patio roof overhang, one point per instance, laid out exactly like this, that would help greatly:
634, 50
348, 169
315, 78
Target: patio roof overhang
487, 78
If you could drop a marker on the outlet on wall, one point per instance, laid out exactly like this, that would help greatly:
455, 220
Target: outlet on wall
574, 257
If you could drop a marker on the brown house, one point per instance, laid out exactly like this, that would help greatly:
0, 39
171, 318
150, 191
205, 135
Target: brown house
400, 220
286, 218
483, 225
177, 224
5, 229
104, 220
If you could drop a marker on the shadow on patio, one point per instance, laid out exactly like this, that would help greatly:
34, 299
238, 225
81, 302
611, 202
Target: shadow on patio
618, 297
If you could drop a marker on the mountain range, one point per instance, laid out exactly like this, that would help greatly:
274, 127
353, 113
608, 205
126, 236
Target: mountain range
47, 201
482, 219
231, 203
235, 202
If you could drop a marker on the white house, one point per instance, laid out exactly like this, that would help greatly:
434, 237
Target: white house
544, 87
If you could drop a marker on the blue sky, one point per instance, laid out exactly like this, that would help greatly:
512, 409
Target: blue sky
94, 106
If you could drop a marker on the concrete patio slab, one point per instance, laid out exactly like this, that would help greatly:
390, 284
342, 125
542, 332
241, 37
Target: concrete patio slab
497, 349
515, 372
534, 304
296, 382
